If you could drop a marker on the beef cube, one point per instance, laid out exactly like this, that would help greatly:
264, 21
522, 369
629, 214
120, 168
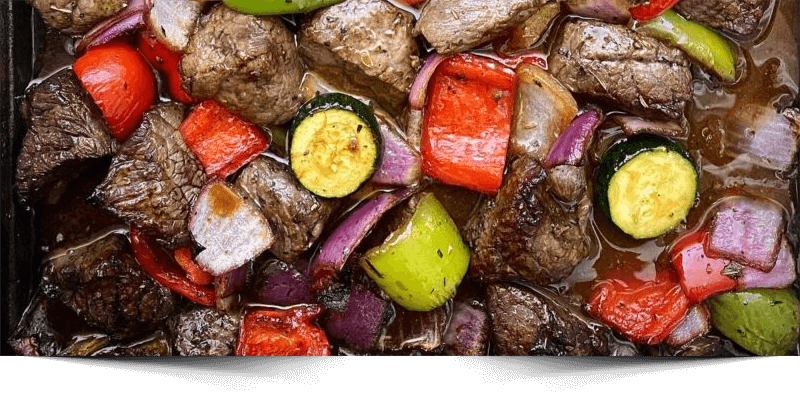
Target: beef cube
532, 230
296, 216
365, 47
155, 178
739, 16
204, 331
66, 134
637, 73
76, 17
534, 321
101, 281
248, 63
453, 26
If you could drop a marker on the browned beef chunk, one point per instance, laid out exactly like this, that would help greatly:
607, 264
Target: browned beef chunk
76, 17
155, 178
637, 73
36, 333
739, 16
249, 64
103, 284
296, 216
363, 46
535, 229
535, 321
453, 26
66, 134
204, 331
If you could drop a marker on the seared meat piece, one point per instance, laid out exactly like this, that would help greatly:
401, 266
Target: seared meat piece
739, 16
104, 285
204, 331
365, 47
155, 177
416, 330
247, 63
66, 133
295, 215
531, 321
638, 73
453, 26
76, 17
535, 229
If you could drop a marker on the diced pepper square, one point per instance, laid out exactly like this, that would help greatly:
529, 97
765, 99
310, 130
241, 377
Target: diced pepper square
221, 140
701, 276
467, 122
282, 332
646, 313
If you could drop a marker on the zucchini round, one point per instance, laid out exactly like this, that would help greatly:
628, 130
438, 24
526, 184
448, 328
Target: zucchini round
335, 145
646, 185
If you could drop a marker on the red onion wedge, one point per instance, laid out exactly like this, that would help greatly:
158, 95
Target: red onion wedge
748, 231
632, 125
468, 332
126, 20
173, 21
768, 138
614, 11
696, 323
416, 97
782, 275
360, 323
230, 227
571, 146
334, 253
401, 165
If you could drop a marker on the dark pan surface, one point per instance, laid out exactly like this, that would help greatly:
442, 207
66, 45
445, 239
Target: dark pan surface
21, 41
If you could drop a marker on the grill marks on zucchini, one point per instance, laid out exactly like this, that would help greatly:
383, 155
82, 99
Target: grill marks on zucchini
646, 185
335, 145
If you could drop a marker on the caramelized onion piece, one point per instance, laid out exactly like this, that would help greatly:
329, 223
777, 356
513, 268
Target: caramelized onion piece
126, 20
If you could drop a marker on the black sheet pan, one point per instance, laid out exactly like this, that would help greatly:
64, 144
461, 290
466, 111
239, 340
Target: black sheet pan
21, 41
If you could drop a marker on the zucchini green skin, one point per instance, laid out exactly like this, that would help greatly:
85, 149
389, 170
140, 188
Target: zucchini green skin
344, 102
621, 153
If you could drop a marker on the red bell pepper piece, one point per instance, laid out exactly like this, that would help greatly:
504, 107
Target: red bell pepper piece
121, 84
645, 313
196, 274
651, 9
700, 275
279, 332
221, 140
467, 122
411, 2
158, 264
165, 60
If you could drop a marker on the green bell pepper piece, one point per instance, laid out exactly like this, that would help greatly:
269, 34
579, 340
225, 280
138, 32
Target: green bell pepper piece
763, 321
420, 265
277, 7
703, 44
